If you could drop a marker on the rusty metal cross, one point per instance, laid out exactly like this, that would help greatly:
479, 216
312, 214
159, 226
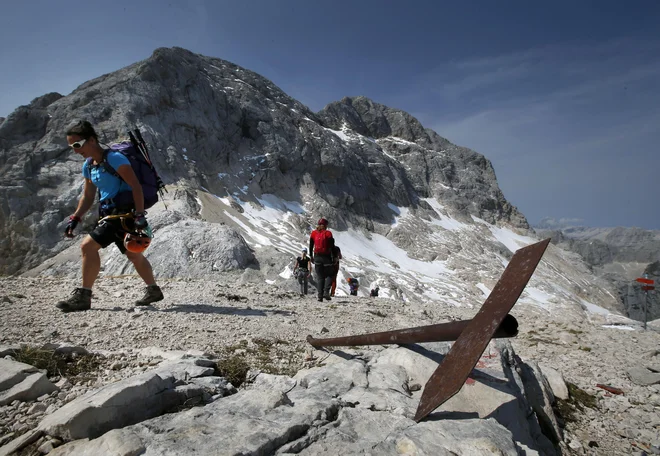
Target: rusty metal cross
471, 336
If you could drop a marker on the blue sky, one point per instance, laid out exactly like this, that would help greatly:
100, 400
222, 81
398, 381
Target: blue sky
563, 97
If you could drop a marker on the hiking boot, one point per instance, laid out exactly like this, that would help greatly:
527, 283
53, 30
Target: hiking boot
326, 295
151, 294
320, 299
81, 299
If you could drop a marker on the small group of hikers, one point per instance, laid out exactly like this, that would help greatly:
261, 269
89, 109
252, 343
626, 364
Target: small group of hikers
325, 256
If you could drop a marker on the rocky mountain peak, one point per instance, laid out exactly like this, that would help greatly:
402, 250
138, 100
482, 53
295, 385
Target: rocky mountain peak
375, 120
216, 126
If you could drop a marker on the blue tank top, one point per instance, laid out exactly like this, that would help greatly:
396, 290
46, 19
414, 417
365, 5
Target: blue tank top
109, 186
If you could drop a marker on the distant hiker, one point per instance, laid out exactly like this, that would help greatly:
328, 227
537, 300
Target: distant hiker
336, 255
374, 292
83, 140
301, 271
320, 246
353, 285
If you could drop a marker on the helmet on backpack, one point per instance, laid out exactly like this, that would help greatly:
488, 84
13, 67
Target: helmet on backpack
323, 222
136, 242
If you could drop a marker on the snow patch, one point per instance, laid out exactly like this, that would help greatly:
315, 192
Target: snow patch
444, 221
623, 327
505, 236
343, 136
286, 274
260, 239
400, 141
536, 297
401, 213
484, 289
274, 203
593, 308
385, 256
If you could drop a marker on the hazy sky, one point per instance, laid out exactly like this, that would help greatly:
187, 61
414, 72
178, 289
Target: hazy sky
563, 97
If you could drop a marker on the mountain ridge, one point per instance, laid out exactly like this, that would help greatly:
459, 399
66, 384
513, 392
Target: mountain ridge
246, 134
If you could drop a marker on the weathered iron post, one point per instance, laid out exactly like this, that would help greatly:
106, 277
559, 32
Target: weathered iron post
471, 336
442, 332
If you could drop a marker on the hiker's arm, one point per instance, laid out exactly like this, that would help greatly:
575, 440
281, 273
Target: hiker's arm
311, 248
87, 199
127, 174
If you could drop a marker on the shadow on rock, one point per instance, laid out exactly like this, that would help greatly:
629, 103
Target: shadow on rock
479, 375
209, 309
446, 415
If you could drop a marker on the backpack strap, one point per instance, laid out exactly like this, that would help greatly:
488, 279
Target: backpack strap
104, 164
108, 167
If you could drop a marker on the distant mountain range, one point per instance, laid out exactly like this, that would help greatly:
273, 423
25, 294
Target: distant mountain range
617, 254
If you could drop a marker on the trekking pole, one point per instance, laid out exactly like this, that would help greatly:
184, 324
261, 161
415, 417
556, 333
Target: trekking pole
141, 145
138, 142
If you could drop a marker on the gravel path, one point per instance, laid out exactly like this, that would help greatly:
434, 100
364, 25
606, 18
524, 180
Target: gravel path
268, 325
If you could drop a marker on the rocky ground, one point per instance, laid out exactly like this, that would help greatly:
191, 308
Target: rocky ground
265, 327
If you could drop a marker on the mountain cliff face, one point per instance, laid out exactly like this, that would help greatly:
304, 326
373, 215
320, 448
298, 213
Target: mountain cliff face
216, 126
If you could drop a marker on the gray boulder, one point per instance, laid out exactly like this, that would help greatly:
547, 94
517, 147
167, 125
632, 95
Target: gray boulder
361, 405
22, 382
643, 376
556, 382
191, 248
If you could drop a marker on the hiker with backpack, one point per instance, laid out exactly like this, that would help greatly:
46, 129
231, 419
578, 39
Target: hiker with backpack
353, 286
301, 271
112, 175
336, 254
321, 243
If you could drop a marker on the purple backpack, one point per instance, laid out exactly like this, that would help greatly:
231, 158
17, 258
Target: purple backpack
137, 155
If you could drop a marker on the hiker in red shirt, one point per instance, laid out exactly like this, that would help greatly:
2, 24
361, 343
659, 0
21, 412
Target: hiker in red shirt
321, 243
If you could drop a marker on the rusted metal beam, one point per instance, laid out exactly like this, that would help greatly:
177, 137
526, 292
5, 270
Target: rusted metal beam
431, 333
471, 336
455, 368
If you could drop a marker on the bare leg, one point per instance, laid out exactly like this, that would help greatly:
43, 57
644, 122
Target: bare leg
91, 261
142, 266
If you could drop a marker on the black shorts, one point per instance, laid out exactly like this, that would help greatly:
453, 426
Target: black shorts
110, 231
